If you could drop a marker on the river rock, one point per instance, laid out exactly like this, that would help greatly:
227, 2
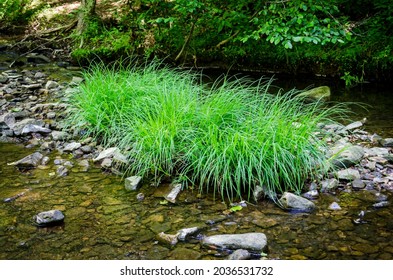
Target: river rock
72, 147
132, 183
376, 151
240, 254
61, 171
249, 241
37, 58
107, 153
18, 127
353, 126
317, 93
33, 128
358, 184
346, 155
329, 184
348, 174
171, 196
387, 142
334, 206
30, 161
49, 218
59, 135
51, 85
185, 233
169, 239
291, 201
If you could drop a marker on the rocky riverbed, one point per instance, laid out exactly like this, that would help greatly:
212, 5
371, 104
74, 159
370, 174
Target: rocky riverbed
347, 215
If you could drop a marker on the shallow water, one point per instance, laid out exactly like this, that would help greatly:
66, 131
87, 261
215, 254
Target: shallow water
104, 221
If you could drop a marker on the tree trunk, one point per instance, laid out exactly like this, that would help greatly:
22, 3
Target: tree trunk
87, 11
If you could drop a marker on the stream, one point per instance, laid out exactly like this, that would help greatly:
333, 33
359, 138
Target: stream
104, 221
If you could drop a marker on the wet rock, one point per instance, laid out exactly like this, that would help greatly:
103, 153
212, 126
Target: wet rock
72, 147
248, 241
291, 201
240, 254
358, 184
30, 161
49, 218
348, 174
387, 142
185, 233
334, 206
132, 183
381, 204
329, 185
376, 151
32, 128
172, 195
168, 239
61, 171
140, 196
3, 78
346, 155
106, 163
45, 160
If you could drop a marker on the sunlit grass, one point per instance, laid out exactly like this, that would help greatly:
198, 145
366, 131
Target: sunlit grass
227, 138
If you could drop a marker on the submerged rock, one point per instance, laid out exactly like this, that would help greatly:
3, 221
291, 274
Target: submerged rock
171, 196
240, 254
291, 201
317, 93
249, 241
49, 218
30, 161
185, 233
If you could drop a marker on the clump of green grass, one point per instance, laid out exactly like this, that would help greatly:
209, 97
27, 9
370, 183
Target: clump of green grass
228, 138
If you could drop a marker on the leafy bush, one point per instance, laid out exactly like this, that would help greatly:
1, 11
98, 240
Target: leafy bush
229, 137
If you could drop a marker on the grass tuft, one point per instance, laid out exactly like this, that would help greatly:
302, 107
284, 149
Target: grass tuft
227, 138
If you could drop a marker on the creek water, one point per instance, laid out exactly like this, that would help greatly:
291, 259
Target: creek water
105, 221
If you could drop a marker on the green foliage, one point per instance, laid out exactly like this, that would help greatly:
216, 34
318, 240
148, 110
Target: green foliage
228, 137
15, 11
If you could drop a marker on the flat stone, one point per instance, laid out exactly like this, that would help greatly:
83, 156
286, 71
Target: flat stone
240, 254
248, 241
347, 155
107, 153
184, 233
358, 184
329, 184
171, 196
51, 85
33, 128
59, 135
387, 142
29, 161
334, 206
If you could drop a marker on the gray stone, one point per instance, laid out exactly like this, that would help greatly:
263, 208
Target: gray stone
317, 93
61, 171
107, 153
76, 80
171, 196
132, 183
346, 156
51, 85
348, 174
7, 120
329, 184
248, 241
240, 254
33, 128
19, 126
3, 78
358, 184
353, 125
49, 217
59, 135
312, 194
185, 233
30, 161
376, 151
169, 239
72, 147
387, 142
291, 201
106, 163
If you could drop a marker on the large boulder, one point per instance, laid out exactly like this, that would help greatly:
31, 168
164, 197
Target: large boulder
249, 241
290, 201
